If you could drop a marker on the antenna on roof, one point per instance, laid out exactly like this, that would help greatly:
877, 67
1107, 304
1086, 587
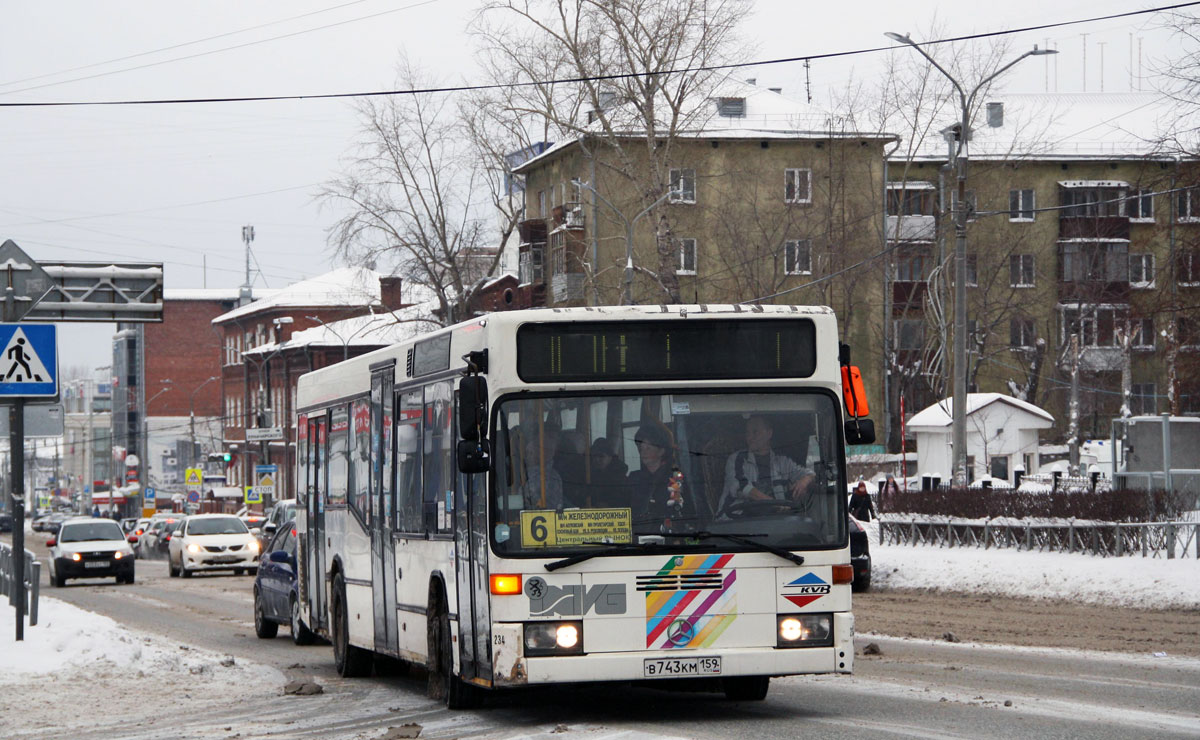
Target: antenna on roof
807, 80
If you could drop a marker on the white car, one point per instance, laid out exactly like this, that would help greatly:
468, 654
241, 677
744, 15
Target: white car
90, 548
212, 542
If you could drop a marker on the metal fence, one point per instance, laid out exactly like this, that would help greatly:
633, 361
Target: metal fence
1167, 540
33, 572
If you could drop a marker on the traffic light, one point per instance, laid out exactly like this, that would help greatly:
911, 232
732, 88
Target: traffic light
227, 457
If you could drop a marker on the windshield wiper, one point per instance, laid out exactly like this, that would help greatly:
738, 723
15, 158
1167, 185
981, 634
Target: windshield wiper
760, 546
609, 549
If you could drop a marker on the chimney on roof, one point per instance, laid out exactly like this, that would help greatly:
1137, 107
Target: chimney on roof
995, 114
776, 90
751, 81
389, 292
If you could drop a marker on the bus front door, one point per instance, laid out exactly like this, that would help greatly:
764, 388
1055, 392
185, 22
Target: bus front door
315, 538
383, 555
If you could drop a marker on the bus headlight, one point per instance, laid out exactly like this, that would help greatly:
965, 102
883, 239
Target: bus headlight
553, 638
805, 630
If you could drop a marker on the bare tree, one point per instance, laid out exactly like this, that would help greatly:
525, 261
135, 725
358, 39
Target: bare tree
421, 192
638, 66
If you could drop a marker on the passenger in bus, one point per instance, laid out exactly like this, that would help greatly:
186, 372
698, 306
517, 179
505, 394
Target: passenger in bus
658, 489
758, 473
609, 487
540, 483
571, 467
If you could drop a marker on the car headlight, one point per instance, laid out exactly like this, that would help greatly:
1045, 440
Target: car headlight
553, 638
804, 630
193, 548
76, 557
253, 546
118, 555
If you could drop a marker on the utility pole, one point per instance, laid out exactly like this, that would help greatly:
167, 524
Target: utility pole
247, 236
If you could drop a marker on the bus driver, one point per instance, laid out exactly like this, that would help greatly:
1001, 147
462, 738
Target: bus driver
758, 473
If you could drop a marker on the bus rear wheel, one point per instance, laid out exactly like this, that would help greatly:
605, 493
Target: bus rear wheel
746, 688
350, 661
443, 684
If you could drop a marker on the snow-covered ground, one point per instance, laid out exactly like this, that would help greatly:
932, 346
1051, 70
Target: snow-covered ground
1150, 583
89, 663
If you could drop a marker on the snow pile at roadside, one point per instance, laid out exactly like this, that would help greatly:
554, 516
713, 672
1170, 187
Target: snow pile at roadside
1149, 583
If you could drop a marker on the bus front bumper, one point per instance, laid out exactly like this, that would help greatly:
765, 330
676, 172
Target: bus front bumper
513, 669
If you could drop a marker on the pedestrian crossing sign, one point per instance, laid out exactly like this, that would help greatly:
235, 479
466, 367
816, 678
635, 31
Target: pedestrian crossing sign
29, 360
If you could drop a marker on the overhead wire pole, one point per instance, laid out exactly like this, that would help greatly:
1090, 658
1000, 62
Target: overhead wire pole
966, 101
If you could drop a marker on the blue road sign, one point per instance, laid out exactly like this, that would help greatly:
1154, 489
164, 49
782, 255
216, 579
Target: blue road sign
260, 469
28, 360
148, 496
193, 497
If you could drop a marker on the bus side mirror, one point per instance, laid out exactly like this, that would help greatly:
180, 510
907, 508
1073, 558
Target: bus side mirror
474, 456
860, 432
472, 407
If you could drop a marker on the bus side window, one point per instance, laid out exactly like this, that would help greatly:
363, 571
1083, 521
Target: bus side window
408, 462
439, 465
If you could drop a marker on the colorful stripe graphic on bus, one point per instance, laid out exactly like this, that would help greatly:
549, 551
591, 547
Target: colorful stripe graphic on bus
689, 615
806, 589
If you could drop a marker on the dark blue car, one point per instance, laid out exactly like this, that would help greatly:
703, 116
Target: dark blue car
275, 598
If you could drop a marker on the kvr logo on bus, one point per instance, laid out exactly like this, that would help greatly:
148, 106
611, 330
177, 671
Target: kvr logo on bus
806, 589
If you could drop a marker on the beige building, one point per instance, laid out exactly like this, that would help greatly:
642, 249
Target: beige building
1083, 235
769, 201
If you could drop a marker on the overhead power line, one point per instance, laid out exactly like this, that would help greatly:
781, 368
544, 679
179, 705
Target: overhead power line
591, 78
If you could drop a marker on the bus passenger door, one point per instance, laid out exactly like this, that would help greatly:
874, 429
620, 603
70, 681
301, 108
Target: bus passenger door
315, 538
383, 555
471, 556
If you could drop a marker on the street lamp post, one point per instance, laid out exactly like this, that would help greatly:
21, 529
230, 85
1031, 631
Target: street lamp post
144, 478
192, 419
965, 101
627, 295
345, 341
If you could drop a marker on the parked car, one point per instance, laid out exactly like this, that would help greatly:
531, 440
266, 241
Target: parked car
90, 548
276, 599
860, 556
54, 521
128, 524
212, 542
280, 514
153, 542
6, 522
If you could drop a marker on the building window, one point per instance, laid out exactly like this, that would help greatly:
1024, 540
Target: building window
1189, 333
1141, 270
1095, 326
1020, 205
558, 253
531, 265
913, 267
1093, 202
972, 271
1188, 206
1000, 467
1143, 333
797, 257
542, 212
687, 257
1143, 400
1021, 333
1104, 262
1141, 206
797, 186
731, 107
1020, 271
910, 334
683, 185
1187, 267
911, 199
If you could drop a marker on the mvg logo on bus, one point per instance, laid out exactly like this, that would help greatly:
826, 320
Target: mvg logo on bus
806, 589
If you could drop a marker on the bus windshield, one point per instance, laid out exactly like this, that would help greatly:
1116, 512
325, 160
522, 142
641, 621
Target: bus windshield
576, 472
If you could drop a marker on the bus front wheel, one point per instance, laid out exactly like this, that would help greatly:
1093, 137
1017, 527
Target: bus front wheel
350, 661
746, 688
443, 683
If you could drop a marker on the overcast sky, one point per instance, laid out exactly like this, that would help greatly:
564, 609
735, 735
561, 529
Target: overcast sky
176, 183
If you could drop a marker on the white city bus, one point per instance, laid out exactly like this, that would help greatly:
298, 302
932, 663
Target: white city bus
547, 496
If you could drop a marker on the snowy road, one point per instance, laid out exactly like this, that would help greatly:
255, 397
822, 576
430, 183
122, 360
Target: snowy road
914, 688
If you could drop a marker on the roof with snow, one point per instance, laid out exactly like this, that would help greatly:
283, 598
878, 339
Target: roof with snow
941, 415
766, 114
1062, 126
371, 330
213, 294
345, 286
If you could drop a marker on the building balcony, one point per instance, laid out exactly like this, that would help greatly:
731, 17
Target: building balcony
911, 228
1093, 291
532, 231
908, 295
567, 286
1093, 227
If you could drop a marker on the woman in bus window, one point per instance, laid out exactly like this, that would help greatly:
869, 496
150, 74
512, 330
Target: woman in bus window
660, 493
